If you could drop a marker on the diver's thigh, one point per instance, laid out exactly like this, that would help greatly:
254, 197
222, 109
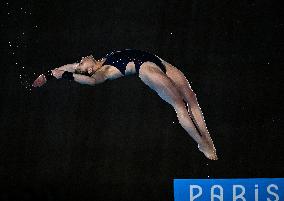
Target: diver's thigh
159, 82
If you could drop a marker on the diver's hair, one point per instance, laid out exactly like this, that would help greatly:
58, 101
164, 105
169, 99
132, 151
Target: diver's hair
89, 57
86, 73
92, 57
77, 71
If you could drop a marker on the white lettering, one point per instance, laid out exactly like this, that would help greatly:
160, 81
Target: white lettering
213, 195
272, 193
193, 197
255, 192
240, 196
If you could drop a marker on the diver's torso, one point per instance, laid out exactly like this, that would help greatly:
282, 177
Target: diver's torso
128, 61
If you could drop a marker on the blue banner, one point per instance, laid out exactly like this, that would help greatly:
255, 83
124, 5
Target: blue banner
261, 189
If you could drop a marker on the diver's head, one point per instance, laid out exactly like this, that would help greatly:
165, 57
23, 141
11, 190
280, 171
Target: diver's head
87, 65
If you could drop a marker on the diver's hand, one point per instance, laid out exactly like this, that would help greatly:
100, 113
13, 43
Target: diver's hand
57, 73
41, 80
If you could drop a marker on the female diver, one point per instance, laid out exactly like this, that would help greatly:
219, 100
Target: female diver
169, 83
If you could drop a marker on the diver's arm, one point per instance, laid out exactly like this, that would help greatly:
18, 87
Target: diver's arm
83, 79
58, 74
68, 67
55, 73
97, 78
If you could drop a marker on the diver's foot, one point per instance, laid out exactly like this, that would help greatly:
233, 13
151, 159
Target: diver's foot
208, 149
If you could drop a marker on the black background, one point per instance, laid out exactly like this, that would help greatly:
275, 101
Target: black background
117, 140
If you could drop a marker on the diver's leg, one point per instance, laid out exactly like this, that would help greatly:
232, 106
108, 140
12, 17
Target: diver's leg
189, 96
159, 82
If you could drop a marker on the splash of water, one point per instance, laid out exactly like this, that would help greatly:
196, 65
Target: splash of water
26, 80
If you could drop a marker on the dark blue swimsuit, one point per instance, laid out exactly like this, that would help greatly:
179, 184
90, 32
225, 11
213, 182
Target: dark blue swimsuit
120, 59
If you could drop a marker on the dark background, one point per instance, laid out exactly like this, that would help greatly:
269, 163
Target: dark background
117, 140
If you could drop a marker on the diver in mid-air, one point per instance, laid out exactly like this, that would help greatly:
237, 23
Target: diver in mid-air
169, 83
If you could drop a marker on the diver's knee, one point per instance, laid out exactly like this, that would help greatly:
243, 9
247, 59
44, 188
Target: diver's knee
179, 106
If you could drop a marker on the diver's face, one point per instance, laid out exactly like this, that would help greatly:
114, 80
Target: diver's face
85, 66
